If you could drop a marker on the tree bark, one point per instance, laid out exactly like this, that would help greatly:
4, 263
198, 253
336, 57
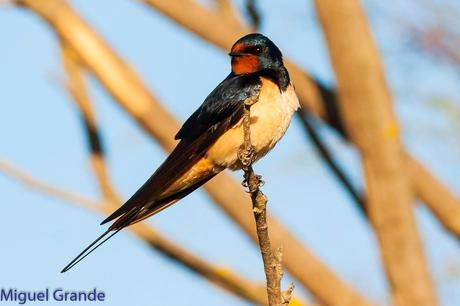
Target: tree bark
371, 124
271, 259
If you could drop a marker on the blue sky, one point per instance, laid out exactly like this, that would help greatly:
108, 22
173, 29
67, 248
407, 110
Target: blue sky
41, 133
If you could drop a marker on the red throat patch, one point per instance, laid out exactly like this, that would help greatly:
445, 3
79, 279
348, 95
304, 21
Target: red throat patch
245, 64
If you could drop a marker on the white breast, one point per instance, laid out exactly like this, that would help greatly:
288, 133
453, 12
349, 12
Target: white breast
270, 118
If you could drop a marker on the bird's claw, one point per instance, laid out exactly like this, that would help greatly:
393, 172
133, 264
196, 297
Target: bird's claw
260, 181
255, 183
246, 156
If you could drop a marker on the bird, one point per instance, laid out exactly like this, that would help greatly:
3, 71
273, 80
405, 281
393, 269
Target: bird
210, 139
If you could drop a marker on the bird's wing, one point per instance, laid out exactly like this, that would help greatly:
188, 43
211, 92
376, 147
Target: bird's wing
220, 111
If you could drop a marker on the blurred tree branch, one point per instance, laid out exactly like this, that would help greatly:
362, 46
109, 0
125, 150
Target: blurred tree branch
371, 124
253, 14
77, 89
326, 155
437, 35
315, 98
128, 90
227, 11
39, 186
439, 43
429, 188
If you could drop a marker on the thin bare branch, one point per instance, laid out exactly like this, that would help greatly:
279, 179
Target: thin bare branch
253, 13
326, 155
77, 89
271, 260
129, 91
37, 185
430, 190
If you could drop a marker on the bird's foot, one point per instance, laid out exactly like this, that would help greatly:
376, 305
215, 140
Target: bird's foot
259, 181
246, 156
252, 182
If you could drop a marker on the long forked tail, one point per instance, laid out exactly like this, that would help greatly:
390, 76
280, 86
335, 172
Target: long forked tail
90, 248
109, 233
130, 215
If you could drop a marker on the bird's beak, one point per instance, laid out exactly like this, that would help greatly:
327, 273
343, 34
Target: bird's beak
236, 54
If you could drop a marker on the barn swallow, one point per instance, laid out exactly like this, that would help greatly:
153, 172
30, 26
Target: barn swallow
211, 137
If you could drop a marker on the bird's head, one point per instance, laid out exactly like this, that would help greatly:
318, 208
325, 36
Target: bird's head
255, 52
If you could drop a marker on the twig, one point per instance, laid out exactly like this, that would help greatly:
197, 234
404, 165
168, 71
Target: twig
253, 13
35, 184
272, 260
76, 87
430, 190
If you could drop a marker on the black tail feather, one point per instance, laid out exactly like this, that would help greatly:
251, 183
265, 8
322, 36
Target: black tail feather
131, 215
90, 248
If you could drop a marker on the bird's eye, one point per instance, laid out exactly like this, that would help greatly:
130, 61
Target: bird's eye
255, 50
